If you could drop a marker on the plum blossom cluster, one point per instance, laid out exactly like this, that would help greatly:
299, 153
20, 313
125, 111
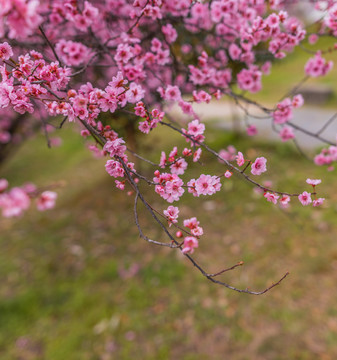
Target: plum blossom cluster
192, 242
82, 19
257, 167
228, 154
250, 79
305, 198
20, 17
204, 185
14, 201
330, 21
38, 80
283, 112
88, 102
151, 119
168, 186
73, 53
119, 164
177, 163
318, 66
194, 132
328, 156
31, 78
171, 214
195, 231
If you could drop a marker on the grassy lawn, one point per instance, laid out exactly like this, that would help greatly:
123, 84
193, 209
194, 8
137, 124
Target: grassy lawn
77, 282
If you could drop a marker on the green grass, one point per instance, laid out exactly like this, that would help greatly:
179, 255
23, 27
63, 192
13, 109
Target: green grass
67, 291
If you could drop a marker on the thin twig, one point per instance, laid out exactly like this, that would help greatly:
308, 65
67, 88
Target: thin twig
50, 45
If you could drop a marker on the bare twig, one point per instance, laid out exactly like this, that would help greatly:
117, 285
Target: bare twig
50, 45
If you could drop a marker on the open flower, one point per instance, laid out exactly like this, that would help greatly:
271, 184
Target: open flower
305, 198
259, 166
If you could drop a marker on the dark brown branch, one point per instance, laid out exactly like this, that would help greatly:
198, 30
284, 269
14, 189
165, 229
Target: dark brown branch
225, 270
50, 45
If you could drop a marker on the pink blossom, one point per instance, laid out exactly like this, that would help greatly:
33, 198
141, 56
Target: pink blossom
135, 93
265, 68
259, 166
90, 12
298, 101
317, 66
172, 213
144, 127
190, 243
321, 159
283, 113
234, 51
14, 202
22, 17
163, 160
173, 153
251, 130
228, 154
273, 20
85, 133
5, 51
187, 152
331, 19
228, 174
178, 167
114, 168
207, 185
193, 225
170, 33
191, 187
72, 53
124, 53
46, 200
201, 96
197, 155
186, 107
240, 160
5, 137
318, 202
120, 184
169, 186
152, 11
250, 79
312, 39
313, 182
271, 197
115, 147
140, 109
305, 198
285, 199
287, 133
195, 128
172, 93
